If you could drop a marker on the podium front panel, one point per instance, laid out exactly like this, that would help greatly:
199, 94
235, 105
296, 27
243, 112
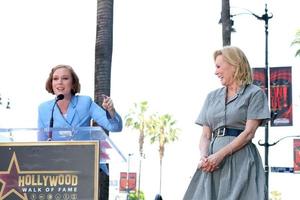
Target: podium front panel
49, 170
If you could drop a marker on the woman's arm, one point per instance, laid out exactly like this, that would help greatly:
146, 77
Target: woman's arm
204, 145
239, 142
113, 124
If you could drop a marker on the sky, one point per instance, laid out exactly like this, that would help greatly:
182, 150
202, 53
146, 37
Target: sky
162, 53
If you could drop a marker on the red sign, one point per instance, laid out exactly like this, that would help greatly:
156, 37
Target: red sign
296, 155
280, 93
131, 180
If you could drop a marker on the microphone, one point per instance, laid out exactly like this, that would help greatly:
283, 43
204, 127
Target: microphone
58, 98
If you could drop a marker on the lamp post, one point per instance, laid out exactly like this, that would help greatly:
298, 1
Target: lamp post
128, 171
265, 17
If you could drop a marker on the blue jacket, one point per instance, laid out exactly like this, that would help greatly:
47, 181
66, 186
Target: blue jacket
81, 110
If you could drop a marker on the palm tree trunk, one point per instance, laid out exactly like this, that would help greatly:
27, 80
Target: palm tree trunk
226, 23
103, 56
139, 182
103, 50
160, 175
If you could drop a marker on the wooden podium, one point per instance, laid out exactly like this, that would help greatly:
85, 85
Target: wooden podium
65, 168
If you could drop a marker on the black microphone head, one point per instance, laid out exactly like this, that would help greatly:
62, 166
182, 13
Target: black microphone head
60, 97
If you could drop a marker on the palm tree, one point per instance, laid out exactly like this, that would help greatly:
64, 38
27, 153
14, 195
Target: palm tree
226, 23
297, 42
103, 48
137, 119
161, 128
103, 55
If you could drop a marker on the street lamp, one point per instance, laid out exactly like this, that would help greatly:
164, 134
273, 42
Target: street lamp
265, 17
289, 136
127, 181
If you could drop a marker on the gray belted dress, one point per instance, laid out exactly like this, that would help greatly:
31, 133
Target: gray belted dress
241, 175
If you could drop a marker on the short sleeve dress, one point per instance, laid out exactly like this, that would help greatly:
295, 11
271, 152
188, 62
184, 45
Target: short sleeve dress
241, 175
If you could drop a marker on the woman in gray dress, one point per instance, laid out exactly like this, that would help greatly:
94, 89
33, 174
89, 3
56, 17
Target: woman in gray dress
230, 167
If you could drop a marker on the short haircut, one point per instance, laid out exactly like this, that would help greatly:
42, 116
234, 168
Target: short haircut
236, 57
75, 80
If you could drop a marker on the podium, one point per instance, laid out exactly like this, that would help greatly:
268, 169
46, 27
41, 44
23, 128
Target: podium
64, 168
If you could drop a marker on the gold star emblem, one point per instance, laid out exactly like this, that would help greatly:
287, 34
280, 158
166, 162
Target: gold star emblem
9, 180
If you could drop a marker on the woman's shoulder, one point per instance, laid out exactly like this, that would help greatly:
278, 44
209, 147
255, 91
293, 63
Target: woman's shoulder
81, 100
254, 88
46, 104
217, 92
83, 97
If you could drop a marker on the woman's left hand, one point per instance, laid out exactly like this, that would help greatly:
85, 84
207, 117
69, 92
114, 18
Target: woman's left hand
108, 105
213, 162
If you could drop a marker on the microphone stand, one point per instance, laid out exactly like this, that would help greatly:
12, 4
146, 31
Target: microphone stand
59, 97
51, 123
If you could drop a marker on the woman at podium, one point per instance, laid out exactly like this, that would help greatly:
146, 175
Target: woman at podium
70, 110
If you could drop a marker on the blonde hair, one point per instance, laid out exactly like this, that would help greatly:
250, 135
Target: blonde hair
75, 80
236, 57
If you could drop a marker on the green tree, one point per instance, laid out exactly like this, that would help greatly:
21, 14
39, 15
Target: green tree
162, 129
137, 119
296, 41
138, 195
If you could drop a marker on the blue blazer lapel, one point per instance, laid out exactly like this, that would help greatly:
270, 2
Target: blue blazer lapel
72, 110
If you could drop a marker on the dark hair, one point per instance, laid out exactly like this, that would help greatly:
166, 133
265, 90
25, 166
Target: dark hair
75, 80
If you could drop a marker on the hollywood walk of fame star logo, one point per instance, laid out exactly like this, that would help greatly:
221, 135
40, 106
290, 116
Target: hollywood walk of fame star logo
9, 179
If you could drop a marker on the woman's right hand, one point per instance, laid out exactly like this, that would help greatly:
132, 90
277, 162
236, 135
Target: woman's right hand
202, 162
211, 163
